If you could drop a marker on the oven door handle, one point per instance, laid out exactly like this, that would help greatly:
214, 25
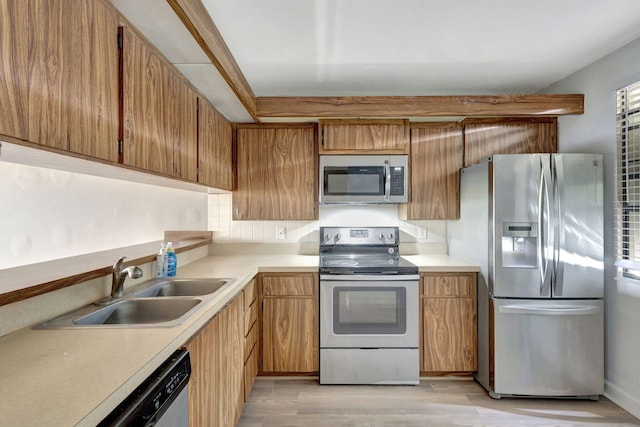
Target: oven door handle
387, 180
369, 278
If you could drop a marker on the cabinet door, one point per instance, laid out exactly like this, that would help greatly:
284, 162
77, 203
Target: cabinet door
436, 159
145, 142
448, 335
216, 384
73, 95
359, 136
215, 135
277, 174
14, 69
484, 137
182, 121
290, 335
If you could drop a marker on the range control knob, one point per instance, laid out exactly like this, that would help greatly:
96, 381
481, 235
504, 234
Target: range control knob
327, 237
381, 236
390, 236
337, 237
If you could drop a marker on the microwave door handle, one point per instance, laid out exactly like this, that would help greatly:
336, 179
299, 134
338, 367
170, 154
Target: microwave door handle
387, 180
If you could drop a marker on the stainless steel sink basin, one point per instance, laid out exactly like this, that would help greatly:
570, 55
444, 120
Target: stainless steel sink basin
183, 287
139, 311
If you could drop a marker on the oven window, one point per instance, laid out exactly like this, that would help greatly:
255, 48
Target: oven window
352, 180
369, 310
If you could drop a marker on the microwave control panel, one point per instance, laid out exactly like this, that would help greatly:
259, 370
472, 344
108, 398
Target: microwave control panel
397, 181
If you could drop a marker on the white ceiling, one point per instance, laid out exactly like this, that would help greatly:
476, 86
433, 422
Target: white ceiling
392, 47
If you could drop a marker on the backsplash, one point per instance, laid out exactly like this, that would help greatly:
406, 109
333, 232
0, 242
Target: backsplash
225, 230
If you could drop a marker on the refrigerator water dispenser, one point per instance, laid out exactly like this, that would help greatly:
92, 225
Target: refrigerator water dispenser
519, 244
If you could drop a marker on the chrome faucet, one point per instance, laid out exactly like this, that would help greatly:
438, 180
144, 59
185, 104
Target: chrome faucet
119, 274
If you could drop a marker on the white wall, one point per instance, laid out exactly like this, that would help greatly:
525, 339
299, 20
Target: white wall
48, 214
595, 132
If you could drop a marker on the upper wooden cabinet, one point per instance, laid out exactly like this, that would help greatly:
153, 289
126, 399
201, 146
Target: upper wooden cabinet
484, 137
362, 136
14, 69
159, 113
215, 139
276, 173
436, 158
73, 74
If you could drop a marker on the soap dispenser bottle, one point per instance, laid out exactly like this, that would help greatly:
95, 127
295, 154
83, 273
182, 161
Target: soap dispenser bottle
160, 271
171, 260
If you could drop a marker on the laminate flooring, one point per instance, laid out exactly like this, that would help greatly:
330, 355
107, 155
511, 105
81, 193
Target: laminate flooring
436, 402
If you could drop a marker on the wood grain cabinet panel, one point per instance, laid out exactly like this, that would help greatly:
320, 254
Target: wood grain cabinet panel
448, 330
361, 136
215, 139
436, 159
290, 324
73, 86
484, 137
159, 112
217, 380
277, 173
14, 69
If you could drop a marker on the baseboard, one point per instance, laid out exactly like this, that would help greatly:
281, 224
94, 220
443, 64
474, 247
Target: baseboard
622, 398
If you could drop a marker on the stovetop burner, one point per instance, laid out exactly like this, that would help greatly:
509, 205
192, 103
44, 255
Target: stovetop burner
362, 250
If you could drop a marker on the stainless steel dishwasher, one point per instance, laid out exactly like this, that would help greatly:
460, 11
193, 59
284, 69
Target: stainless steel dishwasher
160, 401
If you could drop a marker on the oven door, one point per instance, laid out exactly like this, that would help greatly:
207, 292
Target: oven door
369, 311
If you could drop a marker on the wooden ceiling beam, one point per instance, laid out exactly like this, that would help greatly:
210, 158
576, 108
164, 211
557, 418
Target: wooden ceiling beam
421, 106
196, 18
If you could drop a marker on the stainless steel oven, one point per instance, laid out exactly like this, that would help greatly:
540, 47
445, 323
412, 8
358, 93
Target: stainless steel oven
368, 308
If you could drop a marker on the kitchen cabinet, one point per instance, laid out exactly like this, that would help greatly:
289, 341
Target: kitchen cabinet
251, 329
216, 384
276, 173
290, 322
73, 84
448, 329
14, 69
484, 137
435, 161
364, 136
215, 139
159, 112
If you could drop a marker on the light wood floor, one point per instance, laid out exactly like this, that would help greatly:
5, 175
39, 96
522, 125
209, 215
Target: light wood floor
435, 402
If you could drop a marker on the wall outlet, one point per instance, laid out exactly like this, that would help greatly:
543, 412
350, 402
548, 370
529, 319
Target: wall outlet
422, 233
281, 233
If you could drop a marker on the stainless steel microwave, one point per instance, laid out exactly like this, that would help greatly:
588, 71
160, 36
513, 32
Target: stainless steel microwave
361, 179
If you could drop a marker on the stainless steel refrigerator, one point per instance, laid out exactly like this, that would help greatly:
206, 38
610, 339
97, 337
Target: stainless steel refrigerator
534, 223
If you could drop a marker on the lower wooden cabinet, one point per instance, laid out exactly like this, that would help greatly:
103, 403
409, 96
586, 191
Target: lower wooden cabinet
216, 385
290, 323
448, 330
250, 337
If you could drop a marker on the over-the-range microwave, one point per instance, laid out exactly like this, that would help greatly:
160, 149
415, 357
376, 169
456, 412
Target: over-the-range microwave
361, 179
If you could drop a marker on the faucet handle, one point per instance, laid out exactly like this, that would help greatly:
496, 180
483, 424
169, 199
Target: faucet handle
119, 263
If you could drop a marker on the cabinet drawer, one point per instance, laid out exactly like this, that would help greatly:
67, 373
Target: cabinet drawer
250, 341
288, 285
250, 372
249, 294
250, 317
448, 285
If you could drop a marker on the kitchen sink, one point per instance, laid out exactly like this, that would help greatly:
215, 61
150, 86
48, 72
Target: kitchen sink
155, 303
183, 287
140, 311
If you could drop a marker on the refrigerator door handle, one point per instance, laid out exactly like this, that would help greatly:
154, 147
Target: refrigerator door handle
560, 311
559, 244
544, 227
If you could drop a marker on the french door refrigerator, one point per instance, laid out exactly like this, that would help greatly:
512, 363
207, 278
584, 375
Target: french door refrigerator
534, 223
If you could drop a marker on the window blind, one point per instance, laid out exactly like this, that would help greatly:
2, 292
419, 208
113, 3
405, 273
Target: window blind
628, 180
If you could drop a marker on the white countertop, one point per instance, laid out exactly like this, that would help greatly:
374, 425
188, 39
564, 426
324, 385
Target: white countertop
77, 376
